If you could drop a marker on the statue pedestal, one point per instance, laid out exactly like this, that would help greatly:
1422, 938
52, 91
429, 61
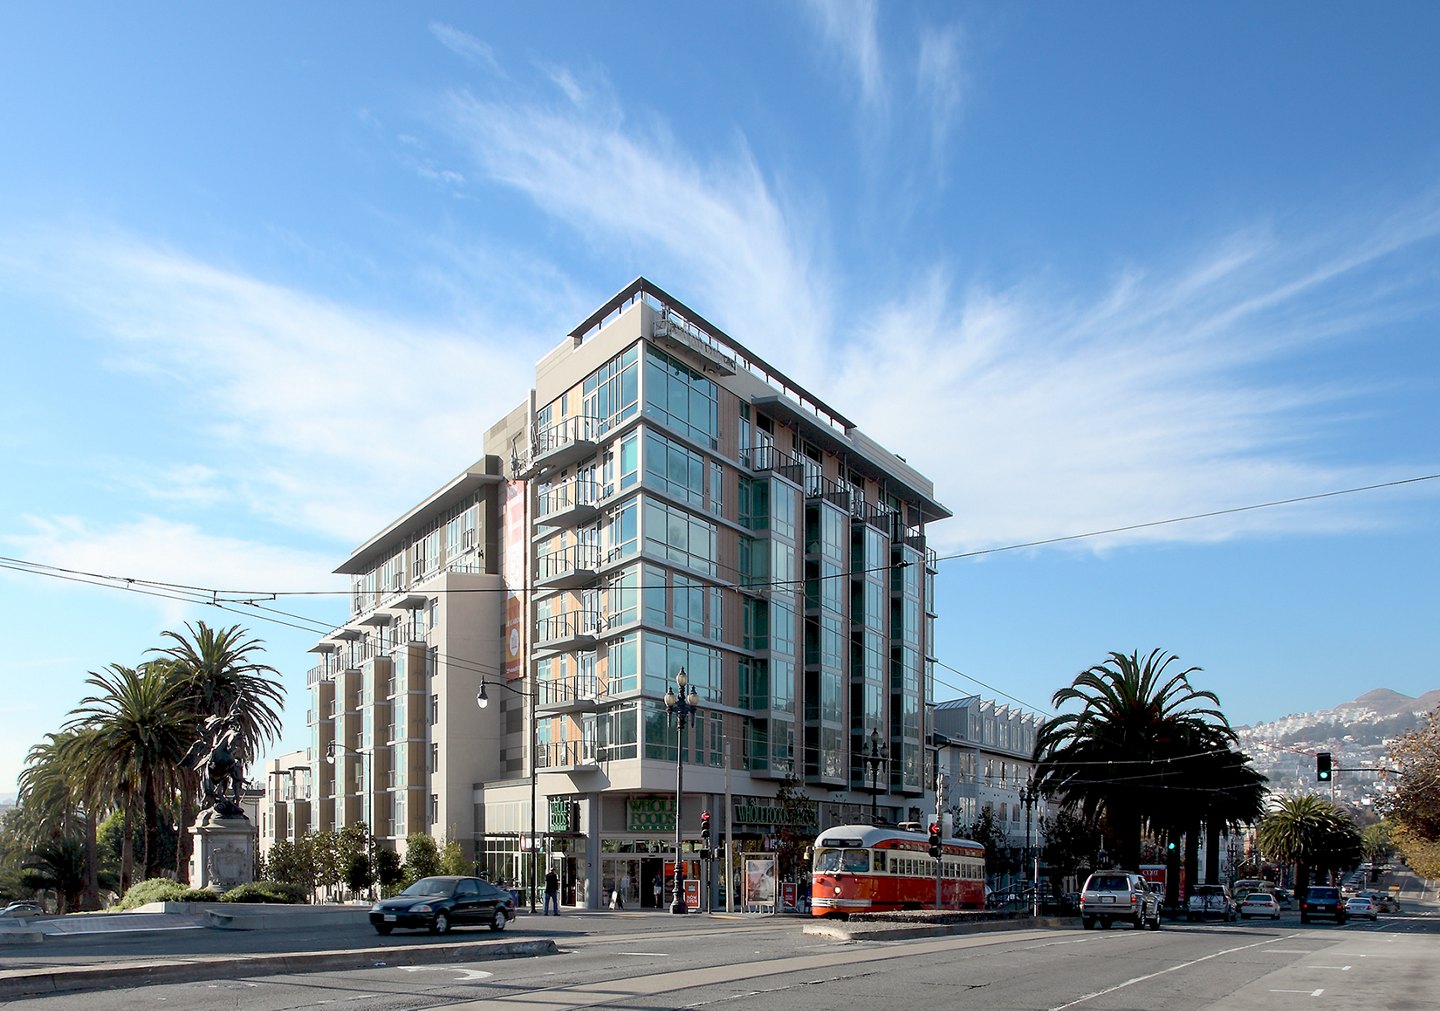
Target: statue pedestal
224, 853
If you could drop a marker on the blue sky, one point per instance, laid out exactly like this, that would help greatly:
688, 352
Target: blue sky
266, 276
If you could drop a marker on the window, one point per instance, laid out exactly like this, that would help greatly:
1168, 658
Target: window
754, 503
623, 665
617, 733
611, 393
672, 533
681, 398
674, 470
622, 528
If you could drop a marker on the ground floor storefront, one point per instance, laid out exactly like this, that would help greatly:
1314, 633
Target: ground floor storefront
617, 848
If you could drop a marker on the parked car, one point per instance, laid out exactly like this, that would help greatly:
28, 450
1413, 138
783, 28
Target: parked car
1323, 901
1362, 905
1384, 901
1259, 904
1283, 898
22, 909
437, 904
1210, 902
1119, 895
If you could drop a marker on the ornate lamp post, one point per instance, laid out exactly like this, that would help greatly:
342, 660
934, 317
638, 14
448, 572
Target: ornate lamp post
483, 700
875, 754
683, 708
1029, 794
330, 750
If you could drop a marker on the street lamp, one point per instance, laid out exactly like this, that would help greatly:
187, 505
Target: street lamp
1029, 794
874, 753
483, 700
330, 750
683, 707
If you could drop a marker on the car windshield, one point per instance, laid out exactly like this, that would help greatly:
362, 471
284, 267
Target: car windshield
1108, 883
430, 886
1259, 897
1323, 893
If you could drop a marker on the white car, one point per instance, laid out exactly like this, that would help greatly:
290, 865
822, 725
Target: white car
1259, 904
1362, 905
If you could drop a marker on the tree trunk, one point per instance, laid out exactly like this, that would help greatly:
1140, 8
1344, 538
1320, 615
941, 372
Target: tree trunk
149, 840
91, 897
1172, 869
1212, 850
1192, 861
127, 847
185, 842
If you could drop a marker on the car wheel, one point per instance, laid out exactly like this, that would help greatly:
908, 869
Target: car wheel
1088, 922
383, 928
1104, 923
1155, 923
441, 924
500, 920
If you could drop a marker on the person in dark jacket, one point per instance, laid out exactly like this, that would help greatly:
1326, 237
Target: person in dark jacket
552, 892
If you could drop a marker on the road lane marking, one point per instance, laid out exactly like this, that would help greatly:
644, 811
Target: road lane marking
646, 954
1342, 968
1161, 972
1312, 993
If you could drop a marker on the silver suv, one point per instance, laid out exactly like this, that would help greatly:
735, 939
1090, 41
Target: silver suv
1119, 895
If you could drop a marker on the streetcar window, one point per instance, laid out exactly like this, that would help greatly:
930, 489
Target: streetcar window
827, 860
879, 860
857, 861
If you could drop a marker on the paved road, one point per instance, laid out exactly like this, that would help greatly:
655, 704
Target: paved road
657, 962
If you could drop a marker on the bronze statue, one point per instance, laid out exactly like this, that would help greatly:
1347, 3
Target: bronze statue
219, 758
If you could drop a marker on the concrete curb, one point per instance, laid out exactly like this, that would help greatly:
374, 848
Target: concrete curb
845, 931
30, 982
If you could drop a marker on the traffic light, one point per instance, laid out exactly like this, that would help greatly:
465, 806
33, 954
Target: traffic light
1322, 767
1170, 846
705, 830
935, 840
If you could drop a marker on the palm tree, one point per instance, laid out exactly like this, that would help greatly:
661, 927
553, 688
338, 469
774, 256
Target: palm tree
1310, 833
58, 865
141, 729
1130, 751
222, 676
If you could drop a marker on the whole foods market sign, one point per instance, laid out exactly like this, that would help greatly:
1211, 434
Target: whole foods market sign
650, 814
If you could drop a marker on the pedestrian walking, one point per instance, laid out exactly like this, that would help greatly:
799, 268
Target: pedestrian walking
552, 893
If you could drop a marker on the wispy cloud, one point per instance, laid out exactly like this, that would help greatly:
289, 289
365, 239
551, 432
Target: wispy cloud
717, 231
939, 83
850, 32
1042, 414
465, 45
313, 404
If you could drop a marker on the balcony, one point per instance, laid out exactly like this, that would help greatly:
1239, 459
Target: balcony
567, 695
568, 503
567, 756
564, 633
567, 441
569, 568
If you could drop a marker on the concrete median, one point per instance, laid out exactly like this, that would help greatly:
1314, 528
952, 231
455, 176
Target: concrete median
32, 982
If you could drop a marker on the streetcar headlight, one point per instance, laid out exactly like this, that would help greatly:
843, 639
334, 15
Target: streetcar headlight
837, 889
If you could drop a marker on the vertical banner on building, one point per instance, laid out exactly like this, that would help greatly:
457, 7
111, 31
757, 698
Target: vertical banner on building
512, 570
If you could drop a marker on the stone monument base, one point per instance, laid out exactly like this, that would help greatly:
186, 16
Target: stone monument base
224, 853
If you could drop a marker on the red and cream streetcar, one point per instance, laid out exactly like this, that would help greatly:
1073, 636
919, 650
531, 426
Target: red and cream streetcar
868, 868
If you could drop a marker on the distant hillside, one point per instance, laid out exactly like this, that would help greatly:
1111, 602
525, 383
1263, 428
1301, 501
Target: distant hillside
1356, 734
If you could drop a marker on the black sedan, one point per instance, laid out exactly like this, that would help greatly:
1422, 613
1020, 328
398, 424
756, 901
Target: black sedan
437, 904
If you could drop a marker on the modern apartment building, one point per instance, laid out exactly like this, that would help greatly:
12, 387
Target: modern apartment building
661, 500
988, 760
